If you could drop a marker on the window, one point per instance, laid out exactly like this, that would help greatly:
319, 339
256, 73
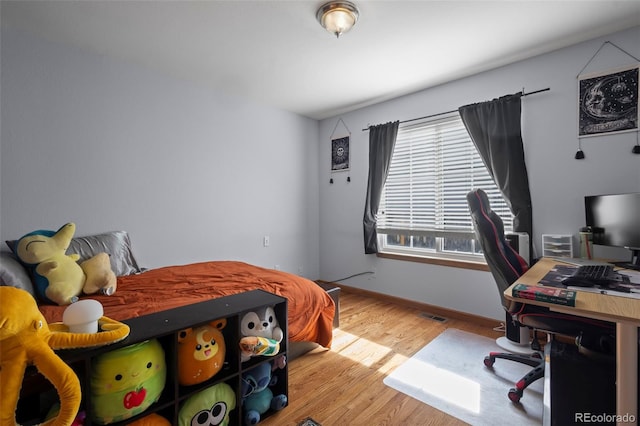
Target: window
423, 209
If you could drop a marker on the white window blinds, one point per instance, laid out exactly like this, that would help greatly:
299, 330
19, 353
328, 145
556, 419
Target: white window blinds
434, 166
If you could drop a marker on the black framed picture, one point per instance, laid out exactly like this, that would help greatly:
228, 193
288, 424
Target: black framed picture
608, 102
340, 154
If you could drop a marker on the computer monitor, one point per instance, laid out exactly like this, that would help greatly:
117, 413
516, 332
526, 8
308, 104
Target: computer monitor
615, 221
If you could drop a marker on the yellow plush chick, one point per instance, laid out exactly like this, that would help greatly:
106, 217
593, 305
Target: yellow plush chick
27, 339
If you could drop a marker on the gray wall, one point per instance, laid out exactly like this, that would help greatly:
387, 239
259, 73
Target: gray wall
195, 175
558, 182
191, 174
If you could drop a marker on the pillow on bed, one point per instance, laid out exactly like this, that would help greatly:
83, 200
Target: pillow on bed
12, 272
115, 243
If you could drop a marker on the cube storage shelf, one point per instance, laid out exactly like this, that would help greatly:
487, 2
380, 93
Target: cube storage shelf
556, 245
165, 327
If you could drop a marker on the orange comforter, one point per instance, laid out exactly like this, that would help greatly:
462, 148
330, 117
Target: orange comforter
310, 308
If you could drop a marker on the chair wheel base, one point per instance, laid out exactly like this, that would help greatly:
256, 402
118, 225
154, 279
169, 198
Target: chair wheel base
489, 361
534, 360
515, 395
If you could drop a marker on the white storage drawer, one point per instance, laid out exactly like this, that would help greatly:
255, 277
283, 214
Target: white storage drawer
557, 245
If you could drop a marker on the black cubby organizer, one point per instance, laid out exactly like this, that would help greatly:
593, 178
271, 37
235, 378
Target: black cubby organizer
165, 326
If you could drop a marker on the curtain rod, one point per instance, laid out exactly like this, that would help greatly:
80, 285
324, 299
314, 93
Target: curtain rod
455, 110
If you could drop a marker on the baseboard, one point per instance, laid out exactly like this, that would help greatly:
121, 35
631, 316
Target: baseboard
425, 307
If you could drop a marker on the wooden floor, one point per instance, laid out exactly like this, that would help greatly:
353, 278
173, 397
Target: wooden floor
343, 386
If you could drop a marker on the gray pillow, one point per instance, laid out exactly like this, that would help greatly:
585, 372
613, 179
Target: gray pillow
12, 273
116, 244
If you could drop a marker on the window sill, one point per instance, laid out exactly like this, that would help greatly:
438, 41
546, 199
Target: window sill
436, 261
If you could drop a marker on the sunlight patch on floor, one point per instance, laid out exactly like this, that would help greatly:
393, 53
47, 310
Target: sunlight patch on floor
441, 383
395, 361
342, 339
358, 349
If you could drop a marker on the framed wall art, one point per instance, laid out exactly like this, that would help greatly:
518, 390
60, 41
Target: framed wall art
340, 154
608, 102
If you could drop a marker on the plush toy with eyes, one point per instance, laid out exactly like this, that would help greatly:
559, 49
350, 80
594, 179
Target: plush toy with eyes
208, 407
201, 352
257, 393
27, 339
263, 324
57, 276
126, 381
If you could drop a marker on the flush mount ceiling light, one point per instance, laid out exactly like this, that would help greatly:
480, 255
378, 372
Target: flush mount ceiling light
338, 16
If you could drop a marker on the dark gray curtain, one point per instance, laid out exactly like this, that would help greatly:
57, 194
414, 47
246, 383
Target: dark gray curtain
382, 139
495, 130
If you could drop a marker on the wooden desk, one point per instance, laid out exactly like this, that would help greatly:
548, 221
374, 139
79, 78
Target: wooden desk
624, 311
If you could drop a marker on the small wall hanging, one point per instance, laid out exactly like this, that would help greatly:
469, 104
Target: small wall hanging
609, 102
340, 154
340, 151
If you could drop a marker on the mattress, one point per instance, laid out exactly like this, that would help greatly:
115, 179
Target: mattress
310, 308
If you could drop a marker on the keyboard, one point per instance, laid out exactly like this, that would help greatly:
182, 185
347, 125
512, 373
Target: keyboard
591, 275
594, 272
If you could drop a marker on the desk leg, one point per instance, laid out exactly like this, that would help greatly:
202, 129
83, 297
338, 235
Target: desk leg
627, 371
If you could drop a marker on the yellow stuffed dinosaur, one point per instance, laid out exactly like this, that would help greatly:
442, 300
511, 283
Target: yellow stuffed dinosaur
57, 276
27, 339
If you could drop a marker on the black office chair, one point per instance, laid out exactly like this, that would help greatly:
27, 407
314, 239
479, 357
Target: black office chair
506, 266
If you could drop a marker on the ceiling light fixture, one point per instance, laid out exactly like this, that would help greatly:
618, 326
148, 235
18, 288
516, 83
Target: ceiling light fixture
338, 16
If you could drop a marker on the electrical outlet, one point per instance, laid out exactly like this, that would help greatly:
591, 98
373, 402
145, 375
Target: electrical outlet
265, 241
277, 267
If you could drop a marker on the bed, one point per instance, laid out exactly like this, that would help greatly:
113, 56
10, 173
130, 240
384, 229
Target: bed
140, 292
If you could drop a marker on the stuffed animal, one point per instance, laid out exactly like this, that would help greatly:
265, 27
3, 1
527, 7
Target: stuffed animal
57, 276
259, 323
26, 338
208, 407
201, 352
153, 419
254, 346
126, 381
257, 396
99, 275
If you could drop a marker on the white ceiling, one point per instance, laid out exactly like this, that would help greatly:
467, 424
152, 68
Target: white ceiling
276, 53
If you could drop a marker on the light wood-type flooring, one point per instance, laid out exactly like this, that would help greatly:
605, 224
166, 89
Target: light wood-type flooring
343, 386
